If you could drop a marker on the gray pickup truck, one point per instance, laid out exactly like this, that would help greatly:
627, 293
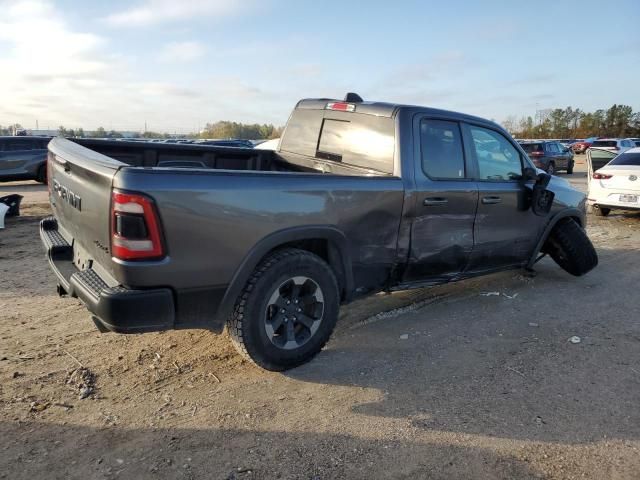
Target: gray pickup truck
358, 198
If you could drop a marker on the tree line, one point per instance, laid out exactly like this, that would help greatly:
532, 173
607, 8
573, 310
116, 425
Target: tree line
218, 130
255, 131
617, 121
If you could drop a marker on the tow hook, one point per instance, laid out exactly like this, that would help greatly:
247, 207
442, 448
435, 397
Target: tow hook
61, 291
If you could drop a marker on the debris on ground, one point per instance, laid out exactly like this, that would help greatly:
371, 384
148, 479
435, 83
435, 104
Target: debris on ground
404, 336
575, 339
38, 406
83, 380
490, 294
534, 324
510, 297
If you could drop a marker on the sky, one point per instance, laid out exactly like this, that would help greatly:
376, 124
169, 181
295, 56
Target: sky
178, 64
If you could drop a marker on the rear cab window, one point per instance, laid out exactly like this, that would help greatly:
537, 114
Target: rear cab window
532, 147
353, 139
626, 159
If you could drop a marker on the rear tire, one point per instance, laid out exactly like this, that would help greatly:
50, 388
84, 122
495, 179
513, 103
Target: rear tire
570, 168
266, 327
601, 212
570, 247
41, 176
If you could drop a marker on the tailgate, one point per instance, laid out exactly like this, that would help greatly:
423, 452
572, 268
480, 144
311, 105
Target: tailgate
80, 195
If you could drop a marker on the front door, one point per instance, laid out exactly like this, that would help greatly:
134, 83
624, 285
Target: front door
446, 201
506, 230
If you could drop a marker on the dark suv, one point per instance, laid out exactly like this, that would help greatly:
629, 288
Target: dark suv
549, 156
23, 158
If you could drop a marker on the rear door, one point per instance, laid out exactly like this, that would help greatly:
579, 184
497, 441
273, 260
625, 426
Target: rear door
80, 182
446, 201
505, 230
552, 151
598, 158
563, 157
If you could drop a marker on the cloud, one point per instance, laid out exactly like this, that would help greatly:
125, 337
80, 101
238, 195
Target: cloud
41, 42
151, 12
181, 52
165, 90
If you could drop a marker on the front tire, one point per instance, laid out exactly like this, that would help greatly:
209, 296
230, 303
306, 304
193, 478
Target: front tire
41, 176
570, 247
287, 311
570, 168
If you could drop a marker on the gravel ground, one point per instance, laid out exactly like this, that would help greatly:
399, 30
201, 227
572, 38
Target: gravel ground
435, 383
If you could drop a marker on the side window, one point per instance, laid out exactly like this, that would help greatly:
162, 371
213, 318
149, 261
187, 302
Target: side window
441, 149
552, 148
16, 145
498, 159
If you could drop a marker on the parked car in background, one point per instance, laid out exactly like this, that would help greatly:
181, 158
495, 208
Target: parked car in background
615, 185
238, 143
581, 146
617, 145
636, 141
549, 156
23, 158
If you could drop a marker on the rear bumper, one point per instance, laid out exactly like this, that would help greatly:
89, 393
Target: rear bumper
616, 206
117, 309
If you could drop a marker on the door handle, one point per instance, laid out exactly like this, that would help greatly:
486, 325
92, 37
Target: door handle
491, 200
433, 201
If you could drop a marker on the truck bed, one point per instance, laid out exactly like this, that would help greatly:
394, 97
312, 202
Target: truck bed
142, 154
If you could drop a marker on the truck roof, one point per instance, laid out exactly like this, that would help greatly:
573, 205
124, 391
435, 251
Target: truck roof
381, 109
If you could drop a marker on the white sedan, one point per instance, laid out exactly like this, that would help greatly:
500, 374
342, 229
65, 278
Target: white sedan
616, 185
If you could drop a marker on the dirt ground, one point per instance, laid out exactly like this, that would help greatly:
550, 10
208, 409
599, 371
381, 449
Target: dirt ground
481, 387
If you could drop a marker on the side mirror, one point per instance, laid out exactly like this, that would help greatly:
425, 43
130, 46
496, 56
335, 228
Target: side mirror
541, 198
529, 174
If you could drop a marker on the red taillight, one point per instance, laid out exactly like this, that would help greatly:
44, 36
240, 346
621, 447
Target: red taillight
536, 154
135, 228
341, 106
601, 176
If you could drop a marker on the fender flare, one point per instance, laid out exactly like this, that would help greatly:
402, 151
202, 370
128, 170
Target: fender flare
568, 212
272, 241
